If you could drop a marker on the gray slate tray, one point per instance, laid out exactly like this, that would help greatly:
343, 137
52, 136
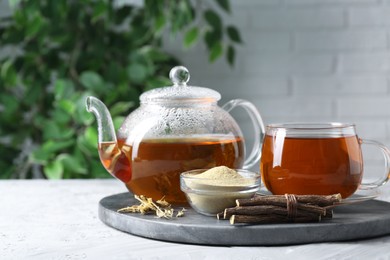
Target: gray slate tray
355, 221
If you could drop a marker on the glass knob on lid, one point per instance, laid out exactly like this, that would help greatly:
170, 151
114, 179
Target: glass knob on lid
179, 75
180, 91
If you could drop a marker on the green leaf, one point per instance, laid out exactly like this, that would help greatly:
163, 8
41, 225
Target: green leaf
99, 11
213, 19
224, 4
54, 146
85, 147
48, 150
91, 80
54, 130
121, 107
39, 120
159, 23
51, 131
212, 37
72, 163
60, 116
233, 34
191, 37
115, 72
91, 136
67, 105
59, 88
34, 26
63, 88
216, 52
34, 95
118, 120
231, 55
40, 156
11, 104
5, 67
137, 72
181, 16
54, 170
8, 73
20, 17
155, 54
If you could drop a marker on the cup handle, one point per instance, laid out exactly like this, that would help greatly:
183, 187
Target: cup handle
258, 125
386, 175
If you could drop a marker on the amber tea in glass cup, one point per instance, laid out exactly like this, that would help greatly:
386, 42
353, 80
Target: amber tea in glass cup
321, 158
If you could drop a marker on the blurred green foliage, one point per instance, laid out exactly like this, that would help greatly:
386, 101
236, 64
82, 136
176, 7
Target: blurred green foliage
55, 53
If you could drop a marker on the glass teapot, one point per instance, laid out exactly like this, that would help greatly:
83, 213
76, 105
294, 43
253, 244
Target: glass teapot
175, 129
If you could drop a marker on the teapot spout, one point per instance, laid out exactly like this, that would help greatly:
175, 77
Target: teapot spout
111, 155
106, 130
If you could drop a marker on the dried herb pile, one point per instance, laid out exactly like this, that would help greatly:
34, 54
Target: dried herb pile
161, 208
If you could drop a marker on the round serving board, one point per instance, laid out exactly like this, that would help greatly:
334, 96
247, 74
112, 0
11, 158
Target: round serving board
355, 221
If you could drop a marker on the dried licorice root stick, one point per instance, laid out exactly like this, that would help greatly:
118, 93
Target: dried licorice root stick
320, 200
282, 203
267, 210
270, 219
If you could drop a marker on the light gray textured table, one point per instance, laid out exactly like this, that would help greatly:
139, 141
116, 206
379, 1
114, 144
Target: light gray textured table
58, 220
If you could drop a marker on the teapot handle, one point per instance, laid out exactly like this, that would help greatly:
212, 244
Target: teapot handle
258, 126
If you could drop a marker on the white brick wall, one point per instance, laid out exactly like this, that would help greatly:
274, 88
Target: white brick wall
286, 18
306, 60
346, 40
363, 63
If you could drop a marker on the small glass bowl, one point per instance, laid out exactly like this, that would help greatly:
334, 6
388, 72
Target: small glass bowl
211, 196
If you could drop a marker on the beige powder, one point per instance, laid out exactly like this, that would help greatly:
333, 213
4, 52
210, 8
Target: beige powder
217, 178
220, 173
217, 189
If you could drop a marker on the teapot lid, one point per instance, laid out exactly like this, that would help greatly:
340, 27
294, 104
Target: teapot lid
180, 91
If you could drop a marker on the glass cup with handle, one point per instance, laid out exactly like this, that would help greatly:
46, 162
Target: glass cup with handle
316, 158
